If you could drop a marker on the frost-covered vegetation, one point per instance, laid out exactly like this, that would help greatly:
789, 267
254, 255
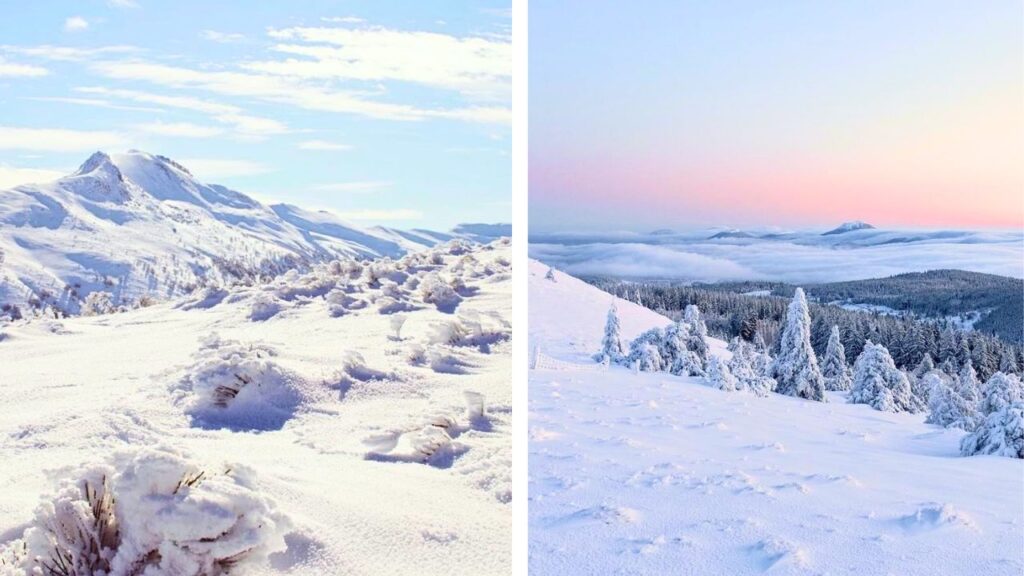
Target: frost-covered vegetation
728, 313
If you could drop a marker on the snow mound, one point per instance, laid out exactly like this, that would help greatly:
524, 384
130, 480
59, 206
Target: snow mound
933, 516
781, 555
157, 514
238, 386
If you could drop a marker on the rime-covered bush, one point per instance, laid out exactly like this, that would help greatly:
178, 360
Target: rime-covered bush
795, 370
434, 290
611, 344
946, 407
835, 370
264, 306
97, 303
156, 514
697, 334
878, 383
719, 376
479, 330
1000, 391
340, 302
645, 351
1001, 433
742, 367
239, 386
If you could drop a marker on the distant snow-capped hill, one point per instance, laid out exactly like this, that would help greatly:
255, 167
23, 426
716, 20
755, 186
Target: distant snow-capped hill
137, 224
848, 227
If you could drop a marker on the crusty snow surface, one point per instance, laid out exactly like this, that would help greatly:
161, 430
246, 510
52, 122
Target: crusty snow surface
658, 474
333, 438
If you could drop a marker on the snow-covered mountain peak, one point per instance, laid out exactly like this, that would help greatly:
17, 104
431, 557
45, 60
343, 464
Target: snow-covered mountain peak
849, 227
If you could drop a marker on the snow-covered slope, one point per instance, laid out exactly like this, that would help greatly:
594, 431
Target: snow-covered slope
356, 438
651, 473
136, 224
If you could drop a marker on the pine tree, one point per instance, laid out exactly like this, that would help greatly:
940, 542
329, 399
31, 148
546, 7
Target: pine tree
1000, 434
645, 351
878, 383
1007, 363
795, 370
611, 344
1000, 391
947, 408
967, 384
925, 366
698, 333
834, 369
720, 377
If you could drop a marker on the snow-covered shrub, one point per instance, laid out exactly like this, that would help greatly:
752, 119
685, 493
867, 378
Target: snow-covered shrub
611, 344
720, 377
1000, 391
479, 330
236, 385
158, 514
476, 407
687, 363
264, 307
795, 370
835, 370
397, 322
354, 365
645, 351
878, 383
97, 303
550, 275
925, 366
434, 290
1001, 433
340, 302
946, 407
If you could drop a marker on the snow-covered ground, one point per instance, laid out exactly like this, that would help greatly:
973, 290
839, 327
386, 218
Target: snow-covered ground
651, 473
347, 448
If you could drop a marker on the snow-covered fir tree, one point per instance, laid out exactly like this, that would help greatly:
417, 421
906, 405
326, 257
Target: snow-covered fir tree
611, 344
795, 370
645, 351
1001, 433
967, 383
946, 407
720, 377
925, 366
878, 383
749, 368
698, 333
834, 368
1000, 391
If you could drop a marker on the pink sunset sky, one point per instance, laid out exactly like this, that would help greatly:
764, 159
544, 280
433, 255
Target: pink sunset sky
803, 115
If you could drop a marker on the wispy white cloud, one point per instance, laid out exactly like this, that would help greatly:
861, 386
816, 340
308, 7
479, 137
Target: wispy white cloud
223, 37
12, 69
377, 215
243, 124
353, 187
96, 103
343, 19
11, 176
68, 53
211, 168
475, 66
75, 24
180, 129
324, 145
122, 3
59, 139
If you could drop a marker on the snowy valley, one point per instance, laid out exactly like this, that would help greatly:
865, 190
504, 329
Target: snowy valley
295, 396
656, 449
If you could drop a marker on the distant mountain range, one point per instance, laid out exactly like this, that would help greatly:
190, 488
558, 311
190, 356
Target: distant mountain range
139, 224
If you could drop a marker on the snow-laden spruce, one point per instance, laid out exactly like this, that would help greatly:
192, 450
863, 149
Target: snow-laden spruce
749, 367
611, 342
720, 377
967, 383
946, 407
1001, 433
999, 392
697, 341
157, 514
795, 370
878, 383
835, 370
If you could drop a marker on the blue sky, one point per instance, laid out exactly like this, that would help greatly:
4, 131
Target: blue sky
393, 113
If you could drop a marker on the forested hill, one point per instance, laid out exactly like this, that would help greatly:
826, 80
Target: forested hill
932, 294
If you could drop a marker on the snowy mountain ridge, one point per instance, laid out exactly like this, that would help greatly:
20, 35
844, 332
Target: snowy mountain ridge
141, 225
